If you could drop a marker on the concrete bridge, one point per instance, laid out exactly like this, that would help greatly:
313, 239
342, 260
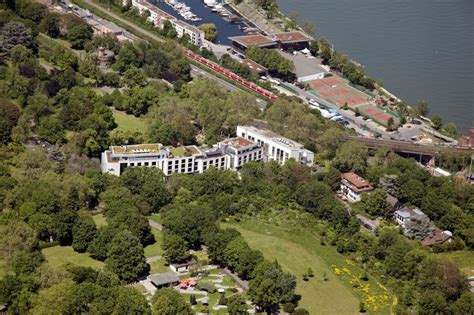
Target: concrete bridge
409, 147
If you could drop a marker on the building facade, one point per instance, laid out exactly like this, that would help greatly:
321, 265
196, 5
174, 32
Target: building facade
276, 147
229, 154
403, 215
196, 36
352, 186
251, 144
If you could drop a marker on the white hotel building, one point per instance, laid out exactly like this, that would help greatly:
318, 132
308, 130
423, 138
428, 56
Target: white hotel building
276, 147
251, 144
229, 154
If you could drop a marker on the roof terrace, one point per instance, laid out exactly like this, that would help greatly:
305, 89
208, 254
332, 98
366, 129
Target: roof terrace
136, 149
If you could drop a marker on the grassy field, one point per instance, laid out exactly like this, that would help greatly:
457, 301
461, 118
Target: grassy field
127, 122
60, 255
99, 220
298, 251
155, 248
464, 259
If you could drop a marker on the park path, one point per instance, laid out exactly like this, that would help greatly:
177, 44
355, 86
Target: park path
243, 283
154, 258
155, 225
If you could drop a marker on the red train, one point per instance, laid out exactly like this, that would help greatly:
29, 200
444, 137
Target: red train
230, 75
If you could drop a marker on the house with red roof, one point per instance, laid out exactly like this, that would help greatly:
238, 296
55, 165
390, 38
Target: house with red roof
352, 186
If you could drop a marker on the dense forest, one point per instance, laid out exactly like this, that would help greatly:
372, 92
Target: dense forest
57, 115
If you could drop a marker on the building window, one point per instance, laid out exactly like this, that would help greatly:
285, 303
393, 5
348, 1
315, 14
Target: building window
132, 164
139, 164
146, 164
153, 163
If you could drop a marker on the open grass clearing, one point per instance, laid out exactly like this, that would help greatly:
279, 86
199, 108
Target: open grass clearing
155, 248
99, 220
464, 259
296, 251
158, 266
58, 256
130, 123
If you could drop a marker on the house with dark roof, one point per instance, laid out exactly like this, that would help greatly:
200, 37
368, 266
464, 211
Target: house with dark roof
394, 203
164, 280
437, 237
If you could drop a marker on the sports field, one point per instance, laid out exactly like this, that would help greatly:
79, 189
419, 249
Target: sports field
376, 114
338, 91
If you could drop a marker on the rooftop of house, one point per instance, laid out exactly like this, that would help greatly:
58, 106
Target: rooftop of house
163, 278
253, 66
136, 149
409, 212
180, 151
238, 142
253, 40
392, 201
291, 37
358, 183
437, 237
190, 262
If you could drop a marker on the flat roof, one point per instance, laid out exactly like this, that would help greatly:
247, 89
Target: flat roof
163, 278
254, 67
184, 150
136, 149
292, 37
275, 137
239, 142
253, 40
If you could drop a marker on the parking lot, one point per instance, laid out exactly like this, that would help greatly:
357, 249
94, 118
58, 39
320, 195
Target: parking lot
304, 66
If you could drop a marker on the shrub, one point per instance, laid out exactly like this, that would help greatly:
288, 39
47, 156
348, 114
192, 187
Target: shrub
289, 307
310, 273
364, 276
206, 286
222, 300
362, 307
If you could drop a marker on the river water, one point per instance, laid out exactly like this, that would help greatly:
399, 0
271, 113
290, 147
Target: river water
224, 29
419, 49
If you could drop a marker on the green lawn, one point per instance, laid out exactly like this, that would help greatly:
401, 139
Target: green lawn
464, 259
127, 122
60, 255
155, 248
99, 220
296, 251
3, 268
158, 266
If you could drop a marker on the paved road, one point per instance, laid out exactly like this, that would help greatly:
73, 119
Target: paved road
124, 21
243, 283
155, 225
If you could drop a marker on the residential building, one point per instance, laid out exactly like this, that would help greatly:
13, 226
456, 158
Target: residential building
183, 267
164, 280
276, 147
229, 154
403, 215
437, 237
196, 36
352, 186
